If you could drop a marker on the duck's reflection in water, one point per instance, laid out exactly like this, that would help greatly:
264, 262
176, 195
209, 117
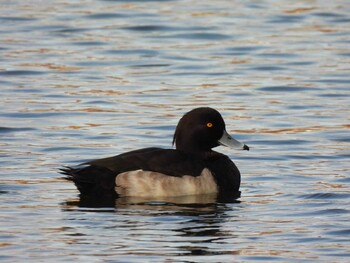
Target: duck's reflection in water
150, 203
186, 225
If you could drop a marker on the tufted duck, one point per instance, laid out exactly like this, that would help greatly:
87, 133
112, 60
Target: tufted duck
192, 169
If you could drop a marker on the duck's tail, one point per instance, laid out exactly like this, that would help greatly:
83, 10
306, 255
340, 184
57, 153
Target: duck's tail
91, 180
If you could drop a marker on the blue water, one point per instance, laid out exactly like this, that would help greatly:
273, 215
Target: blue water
86, 79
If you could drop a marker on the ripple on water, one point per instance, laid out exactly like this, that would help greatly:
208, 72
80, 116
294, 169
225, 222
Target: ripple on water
149, 28
332, 81
198, 36
105, 16
327, 14
286, 89
10, 130
11, 73
286, 19
34, 114
16, 19
66, 31
329, 195
89, 43
344, 180
332, 212
128, 52
239, 51
268, 68
278, 55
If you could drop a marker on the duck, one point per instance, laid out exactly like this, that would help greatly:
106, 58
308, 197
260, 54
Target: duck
192, 168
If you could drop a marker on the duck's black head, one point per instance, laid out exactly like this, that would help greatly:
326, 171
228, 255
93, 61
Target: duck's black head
202, 129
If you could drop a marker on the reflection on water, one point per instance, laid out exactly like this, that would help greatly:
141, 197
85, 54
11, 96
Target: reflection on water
88, 79
194, 201
181, 230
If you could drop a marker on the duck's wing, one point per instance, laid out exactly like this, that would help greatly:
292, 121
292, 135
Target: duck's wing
98, 176
167, 161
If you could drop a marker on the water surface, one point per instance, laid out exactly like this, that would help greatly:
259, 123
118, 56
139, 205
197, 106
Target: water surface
87, 79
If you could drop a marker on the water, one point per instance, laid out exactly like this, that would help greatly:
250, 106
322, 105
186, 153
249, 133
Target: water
87, 79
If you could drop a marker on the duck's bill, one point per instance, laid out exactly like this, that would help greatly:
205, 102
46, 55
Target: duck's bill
227, 140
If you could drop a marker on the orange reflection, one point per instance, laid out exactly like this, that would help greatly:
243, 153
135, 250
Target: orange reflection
295, 130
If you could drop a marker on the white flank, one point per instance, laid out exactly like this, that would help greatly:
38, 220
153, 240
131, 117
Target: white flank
152, 184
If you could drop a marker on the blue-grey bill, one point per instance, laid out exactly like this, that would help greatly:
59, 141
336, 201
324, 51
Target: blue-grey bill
229, 141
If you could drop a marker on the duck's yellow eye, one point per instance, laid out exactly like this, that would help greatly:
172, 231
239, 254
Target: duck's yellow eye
209, 125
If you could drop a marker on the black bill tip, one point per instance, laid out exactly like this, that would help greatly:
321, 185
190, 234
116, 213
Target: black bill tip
246, 147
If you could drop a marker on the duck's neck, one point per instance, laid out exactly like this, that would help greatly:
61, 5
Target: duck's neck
191, 148
202, 154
